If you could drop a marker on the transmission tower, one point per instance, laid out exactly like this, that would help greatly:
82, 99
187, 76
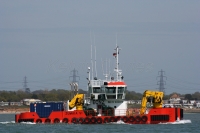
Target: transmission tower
74, 72
74, 82
161, 82
26, 89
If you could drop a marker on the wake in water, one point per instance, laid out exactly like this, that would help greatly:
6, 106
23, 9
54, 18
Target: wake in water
118, 122
12, 122
178, 122
7, 122
27, 123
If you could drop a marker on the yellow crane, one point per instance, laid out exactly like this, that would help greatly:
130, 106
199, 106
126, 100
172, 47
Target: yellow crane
157, 100
77, 101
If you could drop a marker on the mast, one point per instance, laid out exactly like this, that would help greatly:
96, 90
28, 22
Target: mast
117, 70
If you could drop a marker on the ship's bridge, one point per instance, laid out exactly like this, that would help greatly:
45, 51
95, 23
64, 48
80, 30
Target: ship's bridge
101, 90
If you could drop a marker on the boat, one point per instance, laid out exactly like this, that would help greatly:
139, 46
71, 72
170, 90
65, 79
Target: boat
104, 103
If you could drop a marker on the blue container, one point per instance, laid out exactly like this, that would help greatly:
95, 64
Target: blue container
45, 109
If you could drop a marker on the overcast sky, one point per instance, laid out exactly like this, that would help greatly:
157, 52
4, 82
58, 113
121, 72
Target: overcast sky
45, 40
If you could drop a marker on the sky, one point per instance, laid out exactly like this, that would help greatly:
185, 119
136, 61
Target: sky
45, 40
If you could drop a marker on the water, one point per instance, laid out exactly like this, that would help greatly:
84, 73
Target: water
192, 120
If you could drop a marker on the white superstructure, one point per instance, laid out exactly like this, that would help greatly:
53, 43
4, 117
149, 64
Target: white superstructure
109, 93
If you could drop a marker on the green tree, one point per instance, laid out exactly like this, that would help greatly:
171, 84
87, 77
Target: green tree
196, 96
188, 96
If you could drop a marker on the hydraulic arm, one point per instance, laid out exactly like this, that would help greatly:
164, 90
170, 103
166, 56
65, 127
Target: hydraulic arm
77, 102
157, 100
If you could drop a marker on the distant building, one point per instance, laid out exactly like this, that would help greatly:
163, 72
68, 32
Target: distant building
198, 105
175, 99
29, 101
15, 103
4, 103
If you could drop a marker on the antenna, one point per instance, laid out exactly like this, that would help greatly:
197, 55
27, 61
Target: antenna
116, 39
102, 65
95, 60
91, 56
106, 75
109, 68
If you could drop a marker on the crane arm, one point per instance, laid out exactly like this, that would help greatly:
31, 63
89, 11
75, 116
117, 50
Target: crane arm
77, 101
157, 100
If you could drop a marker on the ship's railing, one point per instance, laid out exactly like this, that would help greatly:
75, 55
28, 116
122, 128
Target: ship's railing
96, 82
113, 112
120, 112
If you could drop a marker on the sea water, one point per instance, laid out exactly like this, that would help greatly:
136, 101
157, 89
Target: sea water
190, 124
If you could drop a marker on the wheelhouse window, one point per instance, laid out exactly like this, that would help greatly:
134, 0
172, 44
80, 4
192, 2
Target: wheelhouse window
97, 90
121, 89
110, 89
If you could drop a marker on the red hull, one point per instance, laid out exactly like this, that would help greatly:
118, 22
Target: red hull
154, 116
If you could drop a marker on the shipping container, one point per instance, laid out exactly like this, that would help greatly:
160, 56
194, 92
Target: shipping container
45, 109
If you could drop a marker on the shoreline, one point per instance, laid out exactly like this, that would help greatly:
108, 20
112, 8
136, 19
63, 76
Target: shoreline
14, 110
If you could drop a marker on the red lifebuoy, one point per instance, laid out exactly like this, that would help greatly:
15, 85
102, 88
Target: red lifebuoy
144, 118
65, 120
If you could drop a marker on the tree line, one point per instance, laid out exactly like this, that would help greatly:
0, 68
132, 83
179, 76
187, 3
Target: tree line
64, 95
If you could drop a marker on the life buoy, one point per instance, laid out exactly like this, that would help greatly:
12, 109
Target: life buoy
56, 120
47, 121
93, 120
112, 119
65, 120
144, 118
38, 121
87, 120
74, 120
106, 120
81, 120
125, 119
131, 119
137, 118
99, 120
